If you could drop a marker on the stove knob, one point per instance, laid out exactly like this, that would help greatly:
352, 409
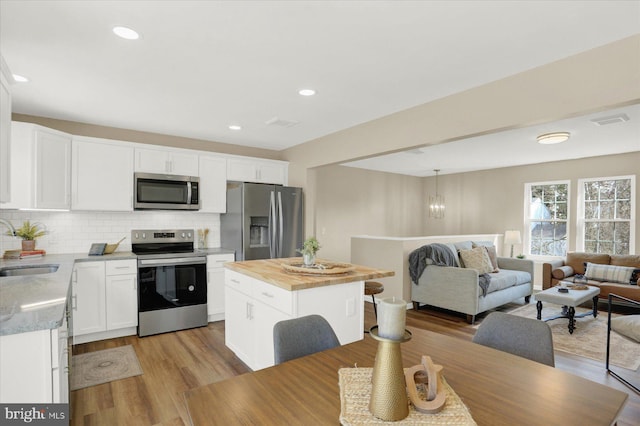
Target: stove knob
144, 235
189, 234
183, 235
136, 235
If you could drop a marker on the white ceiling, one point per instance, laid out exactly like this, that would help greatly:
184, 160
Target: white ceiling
517, 147
202, 65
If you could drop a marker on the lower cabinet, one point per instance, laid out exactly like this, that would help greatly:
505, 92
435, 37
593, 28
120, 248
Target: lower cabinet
35, 367
104, 300
253, 307
215, 285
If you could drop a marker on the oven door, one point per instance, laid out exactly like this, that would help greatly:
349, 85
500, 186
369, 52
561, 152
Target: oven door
171, 283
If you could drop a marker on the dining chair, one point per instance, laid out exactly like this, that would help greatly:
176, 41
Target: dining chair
525, 337
302, 336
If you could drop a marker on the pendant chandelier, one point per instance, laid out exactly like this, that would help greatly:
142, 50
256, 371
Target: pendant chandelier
436, 202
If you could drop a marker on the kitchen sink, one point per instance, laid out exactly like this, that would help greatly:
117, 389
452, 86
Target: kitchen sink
15, 271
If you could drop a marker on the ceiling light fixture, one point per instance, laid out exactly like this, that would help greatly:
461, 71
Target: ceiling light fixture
126, 33
20, 79
552, 138
235, 127
436, 202
307, 92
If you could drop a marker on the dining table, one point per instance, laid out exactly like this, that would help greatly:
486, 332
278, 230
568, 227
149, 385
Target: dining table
497, 388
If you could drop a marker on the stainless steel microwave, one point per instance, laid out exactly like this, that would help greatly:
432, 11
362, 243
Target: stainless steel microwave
165, 192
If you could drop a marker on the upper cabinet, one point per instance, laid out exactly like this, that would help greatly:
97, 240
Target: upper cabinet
213, 184
166, 161
257, 170
102, 177
40, 168
5, 133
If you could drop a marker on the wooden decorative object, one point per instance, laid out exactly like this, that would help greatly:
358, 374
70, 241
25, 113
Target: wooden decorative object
426, 373
320, 268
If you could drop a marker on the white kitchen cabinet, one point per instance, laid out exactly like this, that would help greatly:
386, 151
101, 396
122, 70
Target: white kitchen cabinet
5, 132
215, 285
166, 161
34, 367
102, 177
88, 298
40, 168
213, 184
121, 294
253, 307
105, 300
257, 170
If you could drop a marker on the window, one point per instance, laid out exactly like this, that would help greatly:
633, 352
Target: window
606, 216
547, 218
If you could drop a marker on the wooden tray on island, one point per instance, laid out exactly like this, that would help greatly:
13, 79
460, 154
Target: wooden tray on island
320, 268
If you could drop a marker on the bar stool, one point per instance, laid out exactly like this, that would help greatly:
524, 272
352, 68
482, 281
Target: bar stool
371, 288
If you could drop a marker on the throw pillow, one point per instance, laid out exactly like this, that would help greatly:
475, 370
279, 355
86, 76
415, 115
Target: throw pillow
627, 325
493, 257
562, 272
491, 251
477, 259
613, 274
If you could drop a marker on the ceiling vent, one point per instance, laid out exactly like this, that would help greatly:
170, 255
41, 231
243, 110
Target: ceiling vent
611, 119
275, 121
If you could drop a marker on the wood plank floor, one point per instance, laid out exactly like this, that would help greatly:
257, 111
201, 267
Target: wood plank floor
175, 362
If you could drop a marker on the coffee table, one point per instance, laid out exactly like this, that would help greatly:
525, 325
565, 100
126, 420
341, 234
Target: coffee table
569, 301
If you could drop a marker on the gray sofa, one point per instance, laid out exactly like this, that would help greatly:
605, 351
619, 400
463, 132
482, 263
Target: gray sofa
456, 288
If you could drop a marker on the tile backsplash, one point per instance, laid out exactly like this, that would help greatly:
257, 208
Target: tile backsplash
74, 232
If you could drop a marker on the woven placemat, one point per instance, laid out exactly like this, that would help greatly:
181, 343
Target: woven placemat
355, 393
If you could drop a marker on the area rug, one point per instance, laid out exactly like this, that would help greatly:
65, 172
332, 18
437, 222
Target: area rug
589, 339
95, 368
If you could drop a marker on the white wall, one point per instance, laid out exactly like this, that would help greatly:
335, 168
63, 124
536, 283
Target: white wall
74, 232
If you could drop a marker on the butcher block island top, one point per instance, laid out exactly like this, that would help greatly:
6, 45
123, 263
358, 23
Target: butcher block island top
273, 272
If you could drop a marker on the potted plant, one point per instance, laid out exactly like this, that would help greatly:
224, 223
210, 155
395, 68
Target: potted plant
29, 232
309, 249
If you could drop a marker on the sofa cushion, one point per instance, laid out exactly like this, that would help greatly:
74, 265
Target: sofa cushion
628, 326
577, 260
632, 260
609, 273
454, 250
629, 291
478, 259
562, 272
507, 278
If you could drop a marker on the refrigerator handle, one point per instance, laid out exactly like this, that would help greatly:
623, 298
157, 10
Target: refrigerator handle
272, 225
280, 227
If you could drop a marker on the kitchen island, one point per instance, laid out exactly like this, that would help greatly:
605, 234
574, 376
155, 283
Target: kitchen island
259, 293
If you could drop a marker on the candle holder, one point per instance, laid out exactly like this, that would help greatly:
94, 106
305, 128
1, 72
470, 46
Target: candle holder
389, 400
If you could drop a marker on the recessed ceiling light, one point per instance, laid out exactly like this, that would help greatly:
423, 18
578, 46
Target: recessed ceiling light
555, 137
307, 92
20, 78
126, 33
235, 127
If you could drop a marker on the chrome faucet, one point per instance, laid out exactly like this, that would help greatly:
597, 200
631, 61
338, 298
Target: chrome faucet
10, 226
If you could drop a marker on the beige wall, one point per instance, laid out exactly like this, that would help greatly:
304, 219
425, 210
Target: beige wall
92, 130
492, 201
352, 201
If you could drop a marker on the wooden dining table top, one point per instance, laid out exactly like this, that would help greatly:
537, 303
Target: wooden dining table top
498, 388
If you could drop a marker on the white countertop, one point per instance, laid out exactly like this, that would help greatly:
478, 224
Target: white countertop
48, 292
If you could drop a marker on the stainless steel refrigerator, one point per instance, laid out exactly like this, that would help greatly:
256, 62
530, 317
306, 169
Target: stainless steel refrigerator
262, 221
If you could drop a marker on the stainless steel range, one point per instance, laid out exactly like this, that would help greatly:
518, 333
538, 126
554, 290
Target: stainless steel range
172, 281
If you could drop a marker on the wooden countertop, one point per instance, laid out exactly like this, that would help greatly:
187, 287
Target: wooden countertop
271, 271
